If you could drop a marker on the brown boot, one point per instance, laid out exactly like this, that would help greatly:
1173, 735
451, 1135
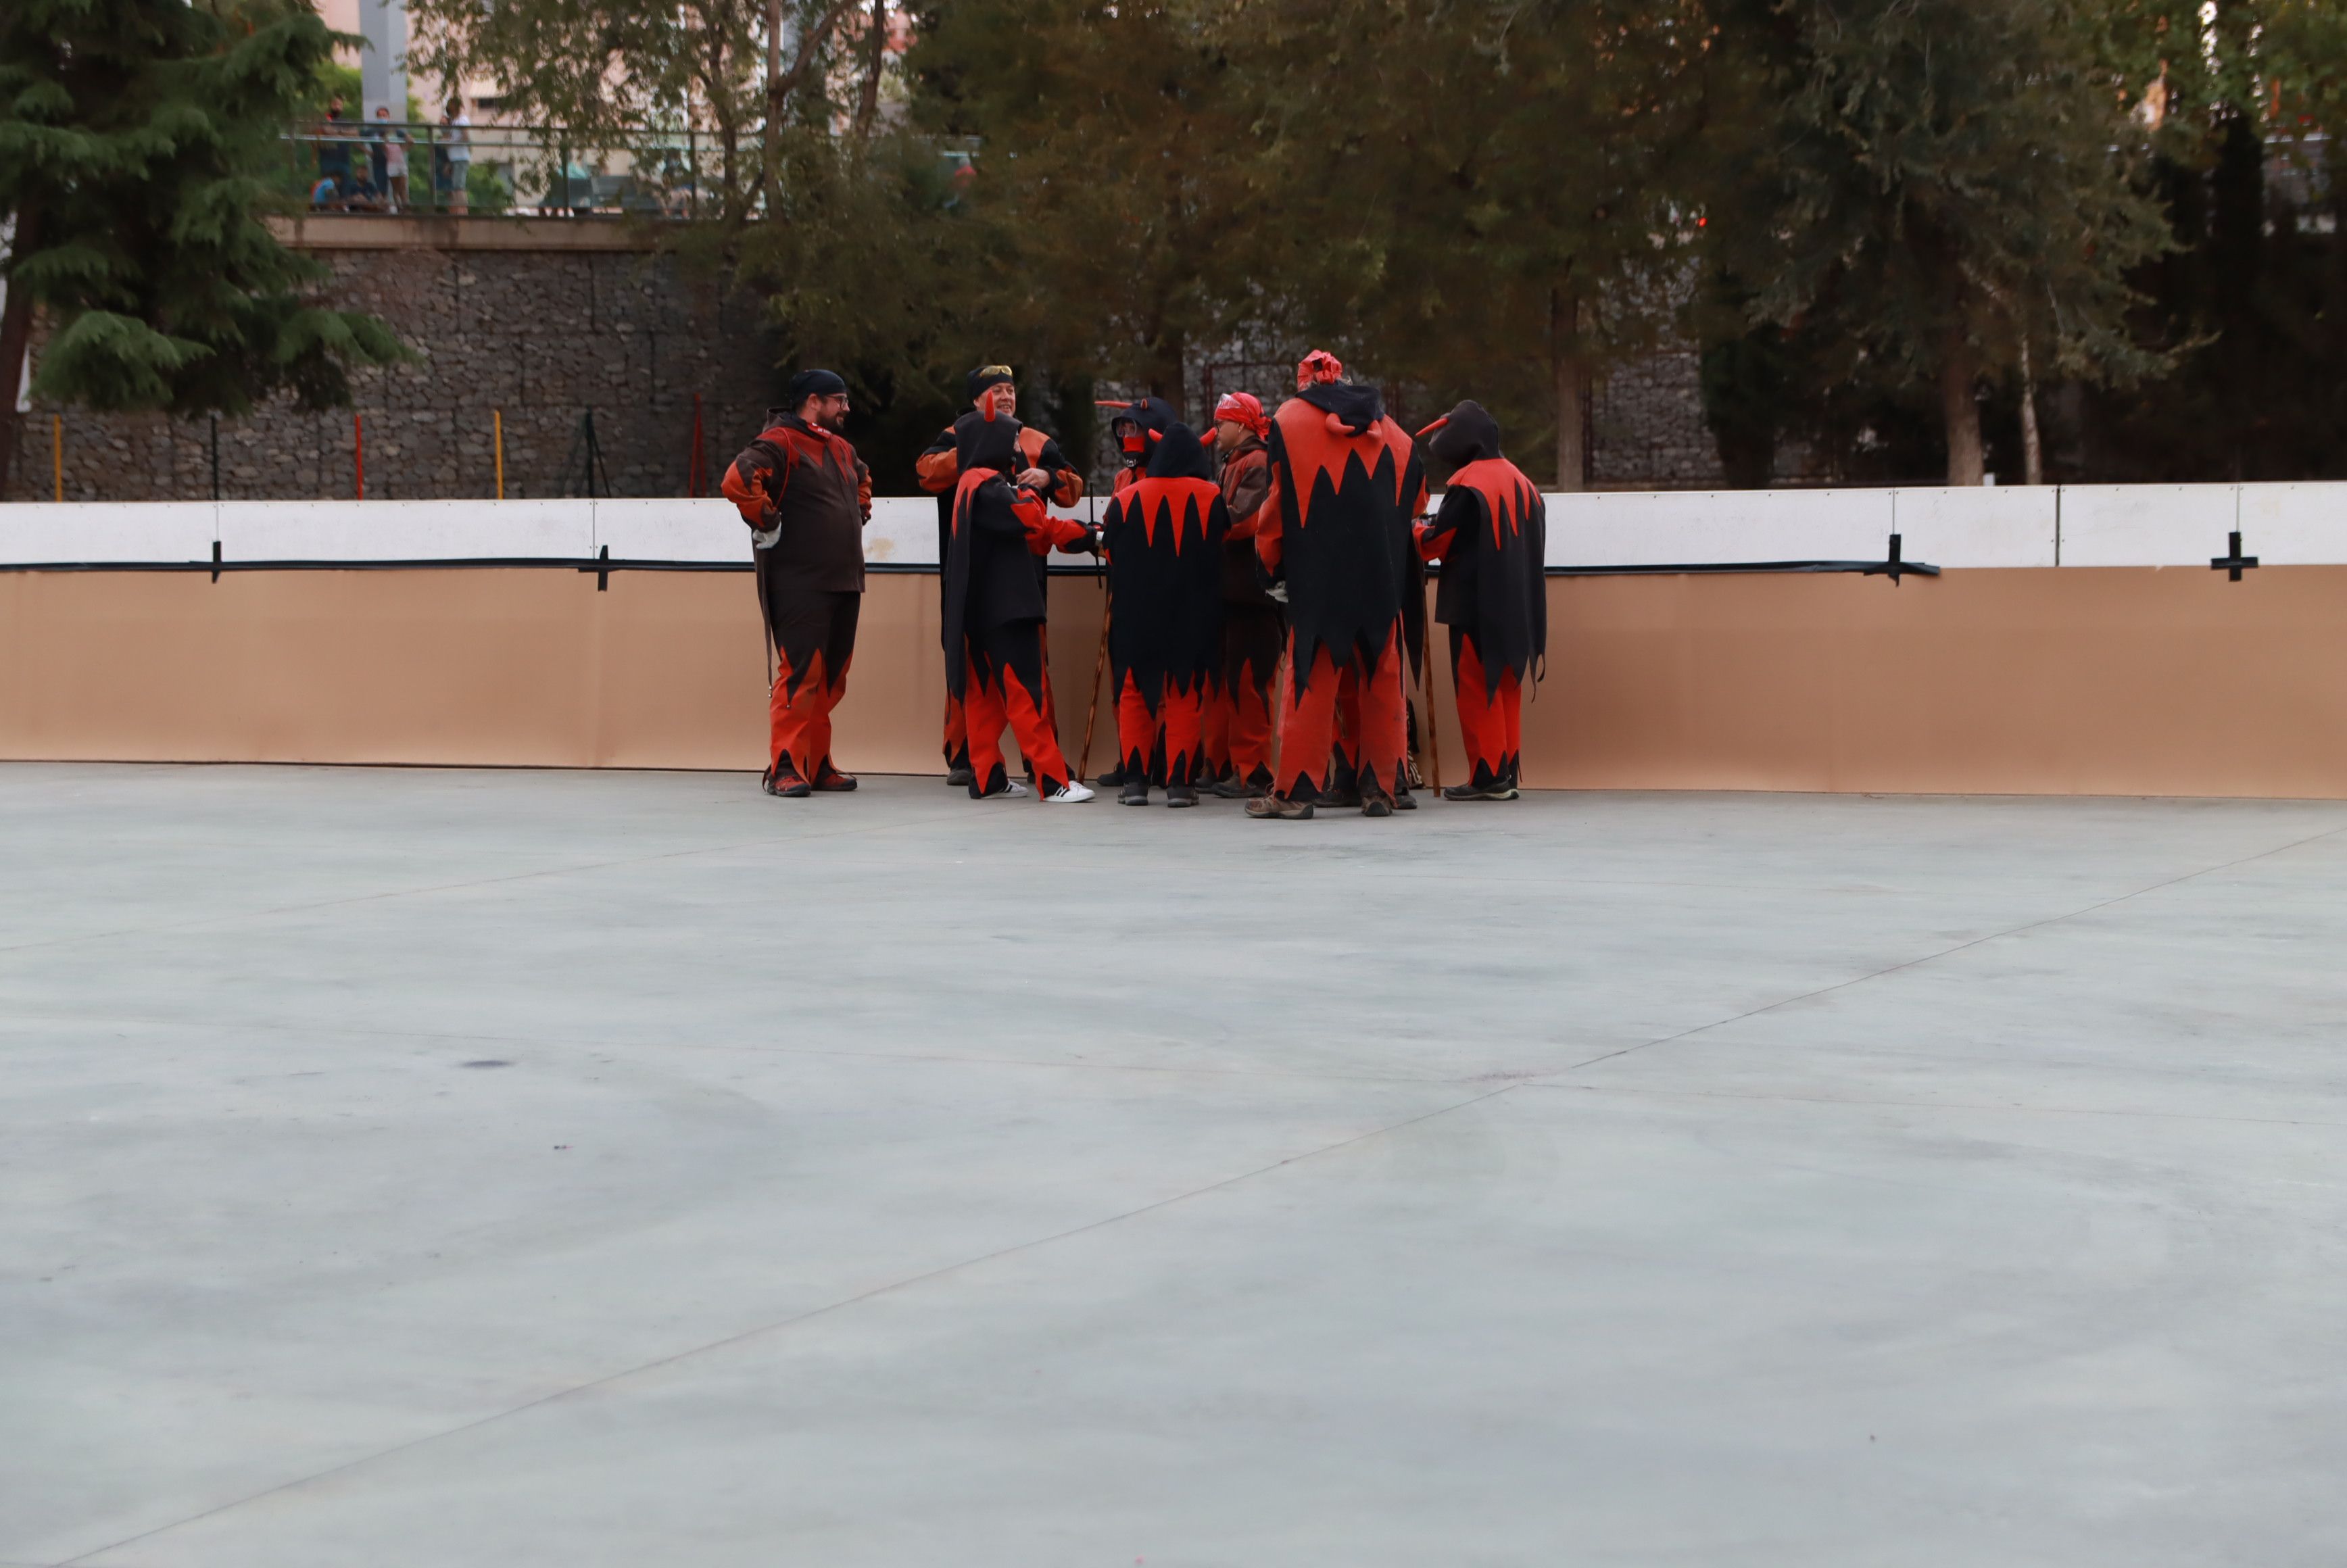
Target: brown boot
1266, 806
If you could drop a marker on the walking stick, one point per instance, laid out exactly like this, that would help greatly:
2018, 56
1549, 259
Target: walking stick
1433, 720
1100, 665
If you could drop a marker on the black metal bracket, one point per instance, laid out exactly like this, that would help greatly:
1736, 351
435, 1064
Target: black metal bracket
603, 573
2232, 563
216, 560
1893, 568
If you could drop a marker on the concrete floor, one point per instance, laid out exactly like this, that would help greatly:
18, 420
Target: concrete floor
487, 1169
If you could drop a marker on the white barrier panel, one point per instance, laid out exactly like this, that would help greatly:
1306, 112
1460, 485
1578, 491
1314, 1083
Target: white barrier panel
903, 531
403, 530
2146, 525
1984, 526
1691, 526
706, 529
2098, 525
2293, 525
49, 533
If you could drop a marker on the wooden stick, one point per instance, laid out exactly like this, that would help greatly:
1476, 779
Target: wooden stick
497, 439
1100, 669
1433, 720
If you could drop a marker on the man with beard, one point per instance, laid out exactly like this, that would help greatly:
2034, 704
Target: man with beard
1239, 702
1164, 537
807, 497
994, 641
1334, 534
1490, 535
1041, 467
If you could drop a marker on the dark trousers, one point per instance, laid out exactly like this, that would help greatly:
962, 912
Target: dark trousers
814, 638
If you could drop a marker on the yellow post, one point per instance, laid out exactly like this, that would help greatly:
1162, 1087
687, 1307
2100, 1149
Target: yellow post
58, 452
497, 423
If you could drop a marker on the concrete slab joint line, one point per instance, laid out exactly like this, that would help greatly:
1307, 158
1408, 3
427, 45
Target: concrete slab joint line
1946, 952
909, 1282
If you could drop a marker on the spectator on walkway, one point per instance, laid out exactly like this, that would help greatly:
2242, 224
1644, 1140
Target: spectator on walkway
391, 169
333, 154
459, 156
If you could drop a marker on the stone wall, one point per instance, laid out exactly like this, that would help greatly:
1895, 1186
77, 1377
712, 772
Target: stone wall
540, 335
1647, 425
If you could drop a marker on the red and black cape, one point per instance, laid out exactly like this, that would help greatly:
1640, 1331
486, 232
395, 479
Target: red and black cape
1163, 535
1347, 484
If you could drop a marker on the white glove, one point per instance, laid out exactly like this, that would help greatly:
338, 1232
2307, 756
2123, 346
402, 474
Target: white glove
1278, 591
763, 538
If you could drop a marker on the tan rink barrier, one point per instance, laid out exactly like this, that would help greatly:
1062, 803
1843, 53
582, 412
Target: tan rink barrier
2074, 641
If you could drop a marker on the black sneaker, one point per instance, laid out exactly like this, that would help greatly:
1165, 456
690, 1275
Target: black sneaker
1181, 794
783, 780
958, 777
1134, 794
1404, 801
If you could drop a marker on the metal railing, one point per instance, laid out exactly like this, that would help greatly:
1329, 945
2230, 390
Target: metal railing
385, 166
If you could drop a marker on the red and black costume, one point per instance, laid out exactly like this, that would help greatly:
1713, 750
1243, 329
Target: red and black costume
1490, 535
1164, 537
938, 470
1346, 485
806, 496
994, 605
1239, 703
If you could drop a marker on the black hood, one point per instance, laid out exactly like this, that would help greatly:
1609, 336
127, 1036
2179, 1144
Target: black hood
1358, 408
983, 443
1152, 414
1180, 456
1468, 435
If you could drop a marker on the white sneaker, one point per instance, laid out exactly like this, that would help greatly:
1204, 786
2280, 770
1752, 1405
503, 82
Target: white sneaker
1014, 791
1069, 794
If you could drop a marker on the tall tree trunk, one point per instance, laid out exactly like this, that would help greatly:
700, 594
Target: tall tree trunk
770, 141
2032, 449
15, 337
1570, 373
875, 53
1958, 405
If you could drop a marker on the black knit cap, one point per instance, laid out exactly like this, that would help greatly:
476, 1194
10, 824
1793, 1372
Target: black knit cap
984, 376
809, 383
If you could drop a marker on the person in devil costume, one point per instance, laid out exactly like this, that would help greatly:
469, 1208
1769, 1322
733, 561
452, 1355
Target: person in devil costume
994, 640
1239, 702
1041, 465
1345, 485
1136, 427
806, 496
1164, 537
1490, 535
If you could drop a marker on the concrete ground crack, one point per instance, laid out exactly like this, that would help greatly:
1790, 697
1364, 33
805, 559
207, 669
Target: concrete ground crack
1918, 962
829, 1308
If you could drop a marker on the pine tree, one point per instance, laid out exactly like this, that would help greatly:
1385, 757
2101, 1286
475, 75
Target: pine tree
137, 145
1487, 196
1954, 198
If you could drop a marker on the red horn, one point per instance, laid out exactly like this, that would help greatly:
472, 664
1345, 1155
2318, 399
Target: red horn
1431, 428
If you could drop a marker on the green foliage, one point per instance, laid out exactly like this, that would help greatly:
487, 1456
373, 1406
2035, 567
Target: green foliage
138, 145
1953, 182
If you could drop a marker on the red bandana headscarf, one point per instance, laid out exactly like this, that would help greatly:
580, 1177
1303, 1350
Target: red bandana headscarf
1244, 408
